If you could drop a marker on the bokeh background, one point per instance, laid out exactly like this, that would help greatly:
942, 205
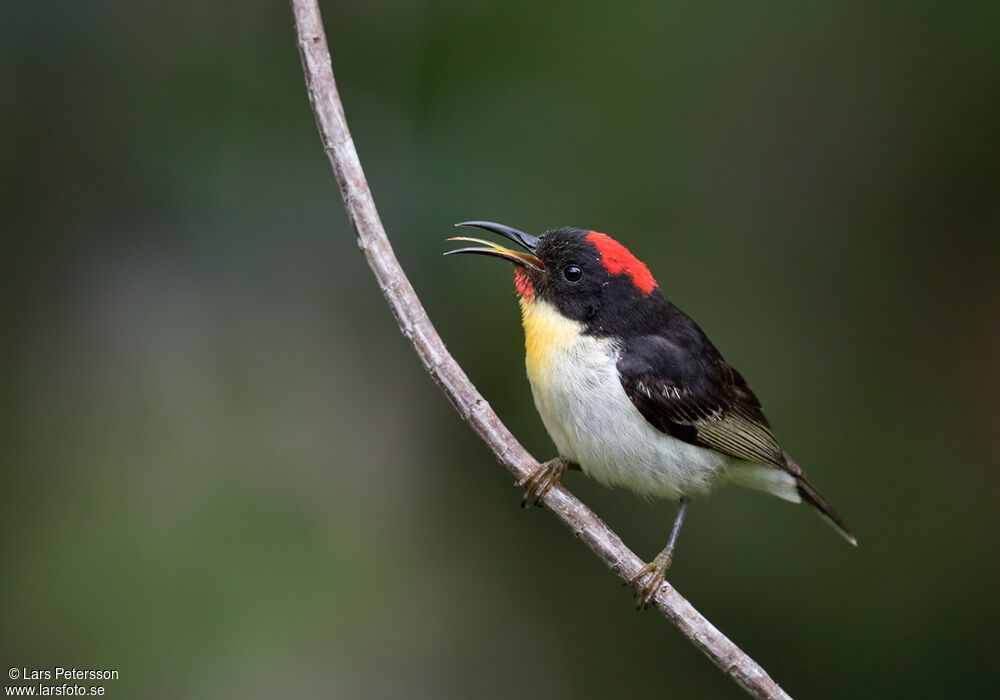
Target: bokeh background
224, 472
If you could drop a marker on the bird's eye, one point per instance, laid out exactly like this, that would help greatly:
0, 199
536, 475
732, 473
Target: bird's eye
572, 273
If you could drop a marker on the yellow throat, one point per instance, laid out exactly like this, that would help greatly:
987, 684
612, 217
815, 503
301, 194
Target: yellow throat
547, 334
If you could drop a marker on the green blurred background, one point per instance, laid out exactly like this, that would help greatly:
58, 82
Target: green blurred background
225, 472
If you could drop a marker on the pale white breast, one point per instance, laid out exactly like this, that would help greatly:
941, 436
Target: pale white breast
592, 421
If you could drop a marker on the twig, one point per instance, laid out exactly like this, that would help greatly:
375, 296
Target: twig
448, 375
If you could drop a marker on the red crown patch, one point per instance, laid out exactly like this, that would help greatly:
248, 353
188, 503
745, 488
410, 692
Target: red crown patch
617, 260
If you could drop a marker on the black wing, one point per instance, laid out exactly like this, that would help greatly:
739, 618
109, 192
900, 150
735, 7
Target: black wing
682, 386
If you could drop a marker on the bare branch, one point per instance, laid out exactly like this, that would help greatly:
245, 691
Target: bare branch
448, 375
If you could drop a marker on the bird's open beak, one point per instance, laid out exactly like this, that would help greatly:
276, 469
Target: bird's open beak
529, 243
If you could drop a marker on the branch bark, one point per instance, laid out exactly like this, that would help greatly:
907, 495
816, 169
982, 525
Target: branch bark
449, 376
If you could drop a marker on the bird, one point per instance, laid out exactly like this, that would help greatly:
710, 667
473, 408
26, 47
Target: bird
630, 389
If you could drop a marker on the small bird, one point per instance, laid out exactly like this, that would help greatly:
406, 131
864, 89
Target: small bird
629, 388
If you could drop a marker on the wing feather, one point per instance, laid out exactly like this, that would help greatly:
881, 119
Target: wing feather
682, 386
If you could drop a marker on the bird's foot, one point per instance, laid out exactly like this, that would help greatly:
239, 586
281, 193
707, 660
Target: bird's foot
538, 483
654, 574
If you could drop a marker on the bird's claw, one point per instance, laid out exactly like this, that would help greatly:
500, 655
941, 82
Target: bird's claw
540, 481
656, 571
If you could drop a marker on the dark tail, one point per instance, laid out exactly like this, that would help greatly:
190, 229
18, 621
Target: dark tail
812, 497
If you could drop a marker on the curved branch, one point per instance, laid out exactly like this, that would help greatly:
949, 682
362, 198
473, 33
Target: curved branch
448, 375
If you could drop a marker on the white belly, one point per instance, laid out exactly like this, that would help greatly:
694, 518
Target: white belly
582, 403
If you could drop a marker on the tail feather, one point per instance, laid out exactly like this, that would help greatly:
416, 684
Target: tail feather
812, 497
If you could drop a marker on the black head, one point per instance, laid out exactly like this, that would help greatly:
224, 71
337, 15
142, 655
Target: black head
586, 275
